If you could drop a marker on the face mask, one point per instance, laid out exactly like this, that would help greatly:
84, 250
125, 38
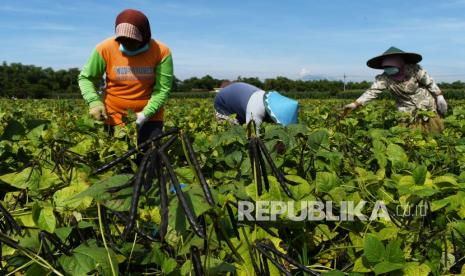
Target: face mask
391, 71
135, 52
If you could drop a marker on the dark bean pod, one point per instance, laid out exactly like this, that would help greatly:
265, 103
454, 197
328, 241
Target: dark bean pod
46, 248
280, 267
163, 198
135, 195
53, 238
257, 168
10, 220
263, 168
195, 257
106, 226
233, 220
286, 258
198, 171
125, 156
255, 266
277, 173
182, 198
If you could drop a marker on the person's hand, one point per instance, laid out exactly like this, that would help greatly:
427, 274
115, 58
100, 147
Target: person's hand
442, 104
351, 106
98, 112
141, 119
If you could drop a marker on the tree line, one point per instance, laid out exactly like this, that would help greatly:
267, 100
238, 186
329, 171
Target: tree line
29, 81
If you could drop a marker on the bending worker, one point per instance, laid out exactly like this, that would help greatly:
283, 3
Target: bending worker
249, 102
139, 73
410, 84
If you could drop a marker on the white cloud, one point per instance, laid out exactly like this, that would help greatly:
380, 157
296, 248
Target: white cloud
304, 72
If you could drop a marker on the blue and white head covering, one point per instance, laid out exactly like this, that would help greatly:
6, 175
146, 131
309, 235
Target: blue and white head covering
282, 110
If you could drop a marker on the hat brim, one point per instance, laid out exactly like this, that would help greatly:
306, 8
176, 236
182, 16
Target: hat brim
127, 37
127, 30
281, 109
409, 58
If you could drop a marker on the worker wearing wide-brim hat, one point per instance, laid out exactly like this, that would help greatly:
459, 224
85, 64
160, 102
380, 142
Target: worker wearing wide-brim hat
249, 102
410, 84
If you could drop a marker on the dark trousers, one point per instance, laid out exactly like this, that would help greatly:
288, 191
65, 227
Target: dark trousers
147, 130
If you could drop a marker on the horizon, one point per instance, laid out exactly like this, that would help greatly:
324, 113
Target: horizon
263, 39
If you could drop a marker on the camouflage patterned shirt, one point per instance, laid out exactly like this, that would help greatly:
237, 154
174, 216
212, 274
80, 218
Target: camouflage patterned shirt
417, 92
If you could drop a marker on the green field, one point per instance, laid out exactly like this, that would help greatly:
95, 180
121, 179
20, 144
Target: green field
59, 218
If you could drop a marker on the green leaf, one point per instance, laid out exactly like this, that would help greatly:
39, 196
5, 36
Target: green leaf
325, 181
386, 267
415, 269
322, 233
419, 174
423, 191
195, 200
84, 146
379, 150
388, 233
36, 269
35, 135
234, 134
373, 249
32, 179
98, 190
187, 268
453, 202
185, 174
407, 181
219, 267
88, 257
394, 253
63, 232
445, 179
302, 189
317, 138
169, 265
360, 266
30, 239
396, 154
233, 159
155, 256
44, 218
13, 131
63, 198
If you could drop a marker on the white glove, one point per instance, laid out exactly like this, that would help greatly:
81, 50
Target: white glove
442, 104
351, 106
141, 119
98, 112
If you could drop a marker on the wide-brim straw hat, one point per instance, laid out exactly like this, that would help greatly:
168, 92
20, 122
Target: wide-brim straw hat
410, 58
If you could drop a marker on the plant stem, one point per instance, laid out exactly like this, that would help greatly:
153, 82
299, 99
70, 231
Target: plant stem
104, 241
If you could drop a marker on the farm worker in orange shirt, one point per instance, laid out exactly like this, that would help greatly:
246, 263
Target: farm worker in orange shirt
411, 85
139, 74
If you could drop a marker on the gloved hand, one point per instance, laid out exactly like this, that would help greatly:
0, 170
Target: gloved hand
98, 112
351, 106
442, 104
141, 119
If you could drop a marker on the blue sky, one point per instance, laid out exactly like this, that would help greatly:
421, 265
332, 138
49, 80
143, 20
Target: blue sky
250, 38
